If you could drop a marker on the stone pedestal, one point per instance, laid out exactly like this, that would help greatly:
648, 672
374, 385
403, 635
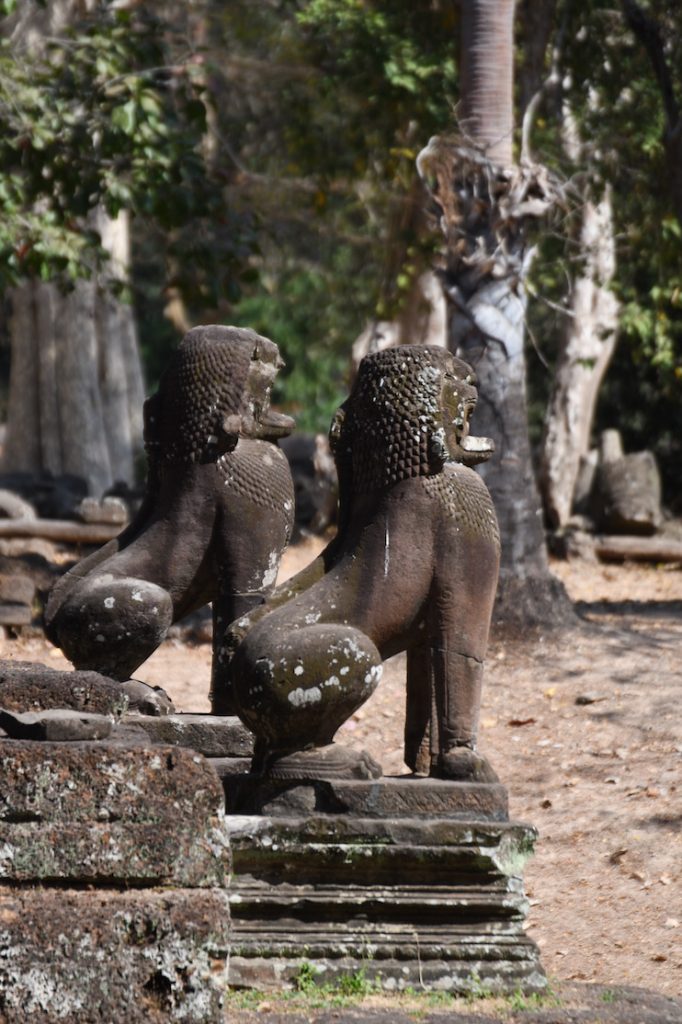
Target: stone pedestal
115, 859
416, 882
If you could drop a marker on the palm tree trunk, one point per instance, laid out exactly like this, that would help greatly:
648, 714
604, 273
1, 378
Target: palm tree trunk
486, 203
487, 69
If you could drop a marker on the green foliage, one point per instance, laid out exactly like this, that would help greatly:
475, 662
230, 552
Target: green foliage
617, 107
314, 320
356, 984
305, 979
103, 118
476, 988
520, 1001
270, 175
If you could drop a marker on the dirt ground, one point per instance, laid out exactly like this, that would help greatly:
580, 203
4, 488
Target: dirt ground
584, 728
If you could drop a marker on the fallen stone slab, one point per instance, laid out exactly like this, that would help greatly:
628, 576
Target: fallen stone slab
16, 588
65, 530
211, 735
60, 725
93, 956
638, 549
30, 686
109, 510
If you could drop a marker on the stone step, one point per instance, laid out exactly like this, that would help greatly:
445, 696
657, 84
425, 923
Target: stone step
389, 797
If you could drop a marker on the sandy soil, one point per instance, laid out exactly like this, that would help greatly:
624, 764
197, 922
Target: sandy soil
584, 728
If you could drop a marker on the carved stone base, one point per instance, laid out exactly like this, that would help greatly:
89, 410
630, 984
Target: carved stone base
424, 901
330, 762
389, 797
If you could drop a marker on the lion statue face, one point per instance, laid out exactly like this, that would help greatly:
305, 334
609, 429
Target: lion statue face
407, 415
215, 390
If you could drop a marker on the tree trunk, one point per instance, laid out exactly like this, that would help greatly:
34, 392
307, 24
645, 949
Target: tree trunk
76, 388
422, 321
588, 345
486, 203
487, 63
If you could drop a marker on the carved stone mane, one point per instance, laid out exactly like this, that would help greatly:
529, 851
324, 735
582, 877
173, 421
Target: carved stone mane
204, 384
391, 426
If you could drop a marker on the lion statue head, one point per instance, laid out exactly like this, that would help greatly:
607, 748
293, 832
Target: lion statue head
406, 416
215, 390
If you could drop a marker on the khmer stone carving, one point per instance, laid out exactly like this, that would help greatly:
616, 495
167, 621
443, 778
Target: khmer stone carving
413, 568
217, 514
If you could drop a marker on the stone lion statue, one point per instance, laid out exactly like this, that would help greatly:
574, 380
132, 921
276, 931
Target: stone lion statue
413, 568
217, 513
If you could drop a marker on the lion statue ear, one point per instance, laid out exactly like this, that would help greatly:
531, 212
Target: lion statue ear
151, 414
336, 427
438, 450
230, 429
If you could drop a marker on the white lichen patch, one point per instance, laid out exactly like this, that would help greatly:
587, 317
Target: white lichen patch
109, 602
300, 697
299, 670
374, 674
311, 618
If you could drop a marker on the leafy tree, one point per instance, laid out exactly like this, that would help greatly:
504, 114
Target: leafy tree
97, 123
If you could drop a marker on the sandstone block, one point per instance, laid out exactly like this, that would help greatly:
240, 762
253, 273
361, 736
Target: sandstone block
105, 813
87, 957
59, 725
29, 686
210, 735
101, 781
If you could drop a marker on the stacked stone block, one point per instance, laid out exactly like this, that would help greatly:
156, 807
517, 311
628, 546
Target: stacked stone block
114, 857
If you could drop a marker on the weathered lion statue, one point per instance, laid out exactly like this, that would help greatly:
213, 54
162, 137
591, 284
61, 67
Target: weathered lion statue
217, 513
413, 568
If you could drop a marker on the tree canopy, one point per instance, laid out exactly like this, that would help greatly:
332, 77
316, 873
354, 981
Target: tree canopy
266, 152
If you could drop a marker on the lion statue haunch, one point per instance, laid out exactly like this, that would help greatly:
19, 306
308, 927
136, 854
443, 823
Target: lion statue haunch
217, 513
413, 568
